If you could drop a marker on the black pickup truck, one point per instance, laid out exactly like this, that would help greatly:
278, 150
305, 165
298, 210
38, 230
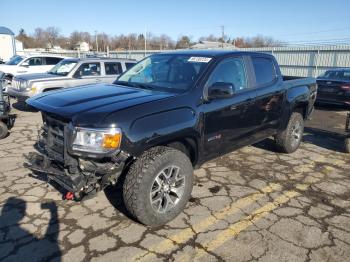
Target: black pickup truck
168, 114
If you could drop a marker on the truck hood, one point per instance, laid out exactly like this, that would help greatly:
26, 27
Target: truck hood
39, 76
93, 101
8, 68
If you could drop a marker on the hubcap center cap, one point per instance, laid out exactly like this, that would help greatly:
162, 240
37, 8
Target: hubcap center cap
166, 187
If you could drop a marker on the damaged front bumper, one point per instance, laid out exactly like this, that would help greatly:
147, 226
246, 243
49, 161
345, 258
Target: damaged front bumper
80, 175
81, 183
40, 163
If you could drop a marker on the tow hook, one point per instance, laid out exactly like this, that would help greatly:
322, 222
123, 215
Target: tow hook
68, 196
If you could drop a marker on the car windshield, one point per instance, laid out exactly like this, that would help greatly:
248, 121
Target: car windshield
15, 60
337, 75
170, 72
63, 68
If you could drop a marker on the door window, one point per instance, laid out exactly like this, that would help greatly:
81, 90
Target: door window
35, 61
88, 69
52, 60
264, 69
113, 68
230, 70
129, 65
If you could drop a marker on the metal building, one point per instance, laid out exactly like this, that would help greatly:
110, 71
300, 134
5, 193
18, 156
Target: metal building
7, 43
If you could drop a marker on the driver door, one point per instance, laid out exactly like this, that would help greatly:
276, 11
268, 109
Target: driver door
87, 73
228, 122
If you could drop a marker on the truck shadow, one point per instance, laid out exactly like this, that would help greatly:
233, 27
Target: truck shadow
114, 195
334, 108
326, 139
22, 106
322, 138
20, 245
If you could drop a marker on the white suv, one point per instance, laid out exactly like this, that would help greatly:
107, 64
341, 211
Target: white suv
19, 65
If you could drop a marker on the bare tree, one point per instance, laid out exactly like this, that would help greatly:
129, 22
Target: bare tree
52, 33
50, 37
183, 42
256, 41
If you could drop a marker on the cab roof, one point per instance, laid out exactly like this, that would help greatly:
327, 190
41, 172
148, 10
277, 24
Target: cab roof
214, 52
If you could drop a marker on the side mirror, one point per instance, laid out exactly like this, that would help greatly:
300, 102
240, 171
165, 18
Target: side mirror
221, 90
25, 64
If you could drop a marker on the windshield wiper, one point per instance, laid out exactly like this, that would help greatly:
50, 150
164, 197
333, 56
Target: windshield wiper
142, 85
122, 83
134, 84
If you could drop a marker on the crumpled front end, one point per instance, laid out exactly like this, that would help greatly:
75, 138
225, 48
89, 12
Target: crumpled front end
82, 176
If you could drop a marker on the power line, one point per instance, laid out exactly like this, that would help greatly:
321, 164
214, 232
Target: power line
315, 32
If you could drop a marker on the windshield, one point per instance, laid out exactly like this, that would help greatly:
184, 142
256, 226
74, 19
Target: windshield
171, 72
15, 60
63, 68
337, 75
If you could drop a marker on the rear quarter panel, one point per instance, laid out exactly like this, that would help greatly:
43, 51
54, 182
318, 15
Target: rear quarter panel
300, 94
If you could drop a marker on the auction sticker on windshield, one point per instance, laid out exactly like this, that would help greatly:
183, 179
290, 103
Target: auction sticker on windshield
199, 59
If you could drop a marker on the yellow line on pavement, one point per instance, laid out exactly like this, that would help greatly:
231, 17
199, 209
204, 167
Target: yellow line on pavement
236, 228
186, 234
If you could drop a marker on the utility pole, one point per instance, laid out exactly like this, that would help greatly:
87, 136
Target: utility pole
223, 35
145, 38
96, 41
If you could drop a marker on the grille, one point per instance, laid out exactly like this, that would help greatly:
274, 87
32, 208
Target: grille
16, 84
19, 85
52, 137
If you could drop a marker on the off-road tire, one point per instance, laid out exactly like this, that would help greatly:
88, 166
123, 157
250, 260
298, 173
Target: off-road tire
140, 178
3, 130
347, 145
284, 139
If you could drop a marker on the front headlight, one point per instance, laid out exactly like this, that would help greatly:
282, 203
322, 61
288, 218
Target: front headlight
96, 140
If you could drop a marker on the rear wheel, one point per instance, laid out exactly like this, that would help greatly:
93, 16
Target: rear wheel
288, 140
3, 130
158, 185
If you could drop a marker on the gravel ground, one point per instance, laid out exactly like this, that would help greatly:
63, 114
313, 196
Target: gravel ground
253, 204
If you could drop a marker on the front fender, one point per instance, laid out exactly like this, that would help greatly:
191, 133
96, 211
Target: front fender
159, 128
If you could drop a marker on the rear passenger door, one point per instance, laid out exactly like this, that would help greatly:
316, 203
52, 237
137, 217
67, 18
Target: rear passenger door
87, 73
112, 71
269, 95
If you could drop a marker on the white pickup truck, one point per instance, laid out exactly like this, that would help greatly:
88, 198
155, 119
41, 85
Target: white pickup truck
19, 65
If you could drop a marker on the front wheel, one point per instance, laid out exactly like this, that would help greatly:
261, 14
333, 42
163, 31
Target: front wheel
288, 140
158, 185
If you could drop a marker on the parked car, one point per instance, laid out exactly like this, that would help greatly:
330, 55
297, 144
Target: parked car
168, 114
69, 73
27, 65
334, 87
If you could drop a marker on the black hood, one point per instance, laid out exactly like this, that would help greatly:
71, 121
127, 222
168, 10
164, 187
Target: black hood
93, 101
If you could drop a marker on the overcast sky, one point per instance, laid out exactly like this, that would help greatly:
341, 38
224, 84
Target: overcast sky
286, 20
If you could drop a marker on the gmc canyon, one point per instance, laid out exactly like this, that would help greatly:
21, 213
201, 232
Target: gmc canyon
166, 115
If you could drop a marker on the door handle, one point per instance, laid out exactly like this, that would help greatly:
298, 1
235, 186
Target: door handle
98, 80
